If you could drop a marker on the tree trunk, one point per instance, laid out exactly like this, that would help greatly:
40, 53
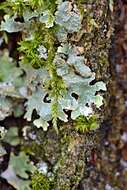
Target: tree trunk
72, 155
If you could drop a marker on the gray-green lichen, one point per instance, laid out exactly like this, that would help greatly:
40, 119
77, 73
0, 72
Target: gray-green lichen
70, 166
67, 154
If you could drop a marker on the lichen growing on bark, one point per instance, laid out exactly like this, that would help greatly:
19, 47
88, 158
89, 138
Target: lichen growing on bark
96, 40
69, 153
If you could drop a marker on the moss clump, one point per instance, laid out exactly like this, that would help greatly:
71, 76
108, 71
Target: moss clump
83, 124
40, 182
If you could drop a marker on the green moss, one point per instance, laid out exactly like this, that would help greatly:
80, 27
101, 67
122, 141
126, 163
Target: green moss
40, 182
29, 49
84, 124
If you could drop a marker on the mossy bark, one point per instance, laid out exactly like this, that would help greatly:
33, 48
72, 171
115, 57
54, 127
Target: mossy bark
69, 153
